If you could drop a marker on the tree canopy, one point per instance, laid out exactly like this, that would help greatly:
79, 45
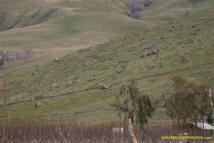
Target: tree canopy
133, 104
190, 100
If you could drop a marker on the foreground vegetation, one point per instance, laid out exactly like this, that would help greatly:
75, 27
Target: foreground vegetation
23, 130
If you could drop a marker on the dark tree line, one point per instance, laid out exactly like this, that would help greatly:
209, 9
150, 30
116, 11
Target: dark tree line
136, 7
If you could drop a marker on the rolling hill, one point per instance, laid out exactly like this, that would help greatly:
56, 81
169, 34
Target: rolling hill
172, 37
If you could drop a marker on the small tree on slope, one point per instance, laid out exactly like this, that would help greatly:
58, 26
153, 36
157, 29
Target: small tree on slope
134, 106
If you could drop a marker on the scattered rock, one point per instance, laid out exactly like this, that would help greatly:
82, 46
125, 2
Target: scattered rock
35, 72
194, 26
155, 51
119, 71
102, 72
106, 86
185, 59
151, 53
197, 30
56, 60
151, 66
38, 105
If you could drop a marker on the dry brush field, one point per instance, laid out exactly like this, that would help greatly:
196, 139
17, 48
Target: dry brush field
26, 131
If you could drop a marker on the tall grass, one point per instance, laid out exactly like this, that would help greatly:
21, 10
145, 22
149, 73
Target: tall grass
28, 131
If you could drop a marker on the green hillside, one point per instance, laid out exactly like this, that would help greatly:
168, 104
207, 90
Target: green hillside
44, 24
63, 25
51, 29
71, 87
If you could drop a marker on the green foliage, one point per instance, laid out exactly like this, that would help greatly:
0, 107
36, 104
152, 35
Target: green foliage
210, 119
39, 97
204, 107
133, 104
194, 1
189, 102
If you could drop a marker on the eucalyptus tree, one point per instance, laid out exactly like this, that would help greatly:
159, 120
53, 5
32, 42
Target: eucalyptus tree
134, 106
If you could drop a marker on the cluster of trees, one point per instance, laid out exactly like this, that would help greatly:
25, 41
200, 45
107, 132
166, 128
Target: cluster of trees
190, 102
136, 7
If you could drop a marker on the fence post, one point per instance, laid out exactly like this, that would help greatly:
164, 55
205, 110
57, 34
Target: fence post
4, 100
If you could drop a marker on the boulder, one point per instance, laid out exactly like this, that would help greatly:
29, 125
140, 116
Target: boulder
106, 86
149, 54
56, 59
38, 105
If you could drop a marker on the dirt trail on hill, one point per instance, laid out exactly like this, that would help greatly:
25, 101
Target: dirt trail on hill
119, 83
70, 113
77, 112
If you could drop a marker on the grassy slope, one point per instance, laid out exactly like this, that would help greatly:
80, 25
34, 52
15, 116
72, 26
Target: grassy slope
55, 28
63, 24
188, 37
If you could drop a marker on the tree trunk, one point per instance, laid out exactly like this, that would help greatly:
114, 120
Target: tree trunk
211, 102
179, 122
131, 131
